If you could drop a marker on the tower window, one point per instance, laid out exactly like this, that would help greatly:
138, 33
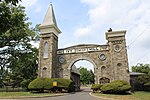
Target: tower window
119, 64
44, 68
45, 50
103, 68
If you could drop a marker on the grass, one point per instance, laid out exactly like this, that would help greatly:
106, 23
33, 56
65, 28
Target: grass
24, 94
11, 89
142, 95
135, 96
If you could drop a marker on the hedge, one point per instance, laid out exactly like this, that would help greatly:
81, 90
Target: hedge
41, 84
147, 86
116, 87
96, 87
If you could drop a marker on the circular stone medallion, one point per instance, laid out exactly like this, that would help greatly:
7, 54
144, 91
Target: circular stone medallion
102, 57
117, 48
61, 59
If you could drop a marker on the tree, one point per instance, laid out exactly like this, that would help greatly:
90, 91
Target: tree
36, 38
18, 58
6, 17
86, 76
142, 68
14, 2
144, 78
92, 80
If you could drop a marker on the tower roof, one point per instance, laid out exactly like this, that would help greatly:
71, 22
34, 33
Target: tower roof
49, 20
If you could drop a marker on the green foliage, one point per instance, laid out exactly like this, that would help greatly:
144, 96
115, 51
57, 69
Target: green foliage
25, 83
63, 83
26, 66
86, 76
14, 2
147, 86
37, 33
142, 79
92, 76
41, 84
96, 87
142, 68
18, 59
118, 86
14, 30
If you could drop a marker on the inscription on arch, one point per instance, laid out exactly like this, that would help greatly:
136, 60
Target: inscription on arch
82, 49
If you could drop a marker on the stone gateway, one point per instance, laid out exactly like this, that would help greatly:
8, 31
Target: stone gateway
110, 60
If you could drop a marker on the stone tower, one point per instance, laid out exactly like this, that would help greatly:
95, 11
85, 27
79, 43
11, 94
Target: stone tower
48, 45
118, 54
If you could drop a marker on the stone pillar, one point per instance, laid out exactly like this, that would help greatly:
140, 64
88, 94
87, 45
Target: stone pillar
48, 45
47, 63
118, 54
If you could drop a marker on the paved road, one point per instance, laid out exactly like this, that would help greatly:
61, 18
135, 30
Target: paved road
84, 95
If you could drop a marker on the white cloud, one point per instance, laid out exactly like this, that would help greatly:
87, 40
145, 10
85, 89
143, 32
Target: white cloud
132, 15
35, 44
120, 14
82, 31
38, 8
28, 3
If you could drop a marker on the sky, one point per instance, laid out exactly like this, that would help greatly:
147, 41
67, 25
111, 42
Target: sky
86, 21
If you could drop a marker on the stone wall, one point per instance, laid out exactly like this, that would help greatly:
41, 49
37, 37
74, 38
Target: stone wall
47, 65
113, 65
110, 60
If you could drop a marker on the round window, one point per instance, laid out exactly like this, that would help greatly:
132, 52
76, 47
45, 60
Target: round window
61, 59
102, 57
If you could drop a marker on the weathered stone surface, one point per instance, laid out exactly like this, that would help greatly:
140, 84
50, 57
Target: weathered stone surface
110, 60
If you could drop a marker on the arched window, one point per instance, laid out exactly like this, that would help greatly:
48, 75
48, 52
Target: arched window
45, 50
103, 68
103, 71
104, 80
44, 68
119, 64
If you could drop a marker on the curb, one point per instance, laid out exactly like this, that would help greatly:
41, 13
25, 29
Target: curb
104, 98
22, 97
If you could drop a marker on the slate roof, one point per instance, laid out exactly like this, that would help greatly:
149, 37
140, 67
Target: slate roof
135, 73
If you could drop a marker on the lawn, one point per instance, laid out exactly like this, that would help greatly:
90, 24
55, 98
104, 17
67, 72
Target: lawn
135, 96
142, 95
24, 94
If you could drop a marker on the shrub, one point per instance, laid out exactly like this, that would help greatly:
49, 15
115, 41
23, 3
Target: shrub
96, 87
140, 81
147, 86
41, 84
25, 83
116, 87
64, 84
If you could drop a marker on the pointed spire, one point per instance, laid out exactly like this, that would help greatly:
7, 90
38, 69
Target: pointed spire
49, 20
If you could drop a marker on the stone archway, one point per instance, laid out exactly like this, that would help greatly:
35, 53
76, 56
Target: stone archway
81, 58
59, 61
74, 72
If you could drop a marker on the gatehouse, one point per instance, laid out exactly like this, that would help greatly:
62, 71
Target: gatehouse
110, 60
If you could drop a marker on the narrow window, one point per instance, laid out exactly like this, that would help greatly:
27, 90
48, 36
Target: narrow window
46, 50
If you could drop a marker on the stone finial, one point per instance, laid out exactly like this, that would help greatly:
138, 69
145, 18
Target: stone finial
110, 30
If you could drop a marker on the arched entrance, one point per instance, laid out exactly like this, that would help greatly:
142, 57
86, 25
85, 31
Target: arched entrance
82, 73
